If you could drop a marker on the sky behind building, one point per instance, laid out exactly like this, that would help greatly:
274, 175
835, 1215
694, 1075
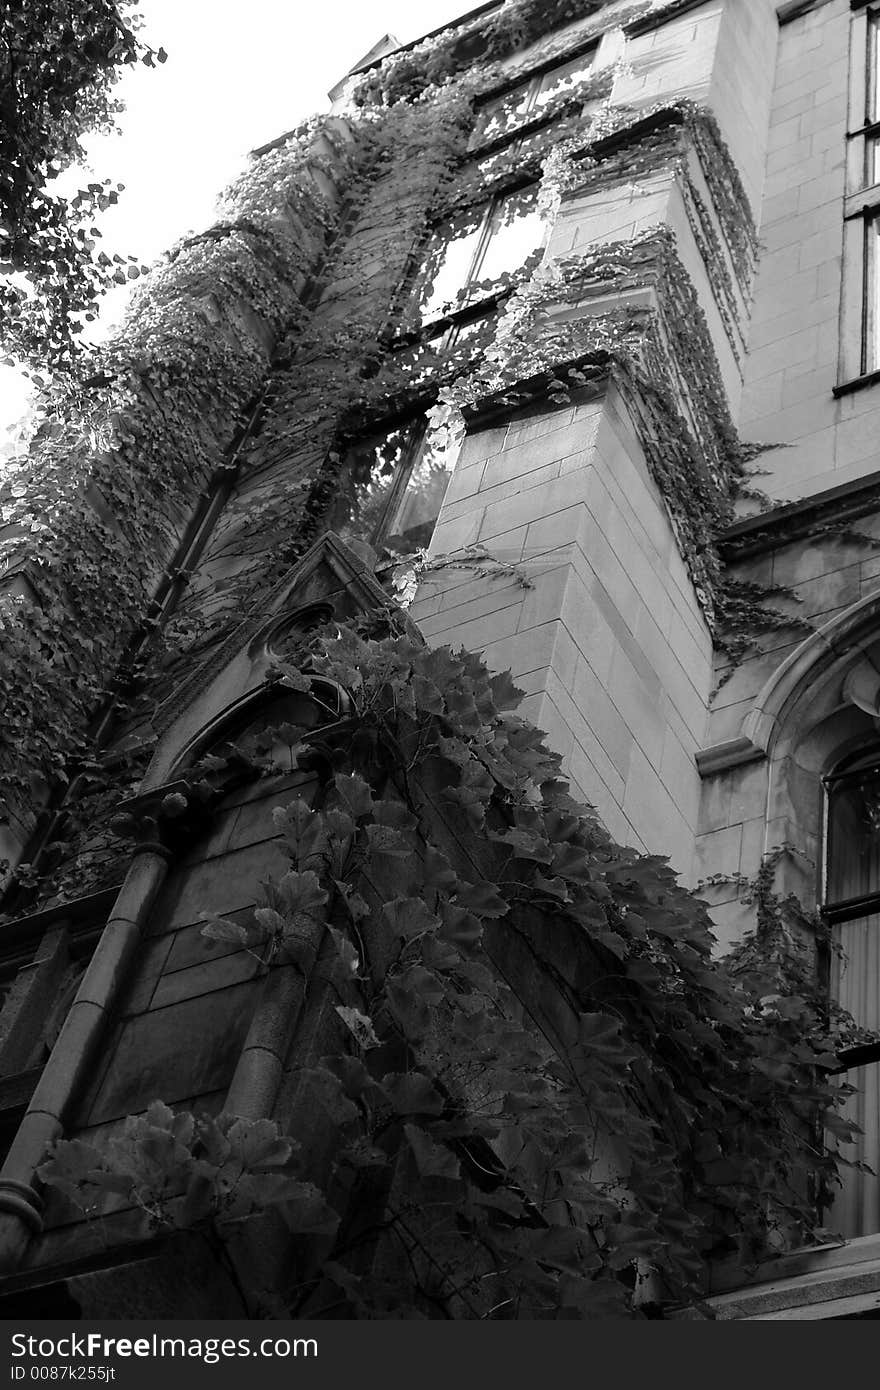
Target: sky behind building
235, 78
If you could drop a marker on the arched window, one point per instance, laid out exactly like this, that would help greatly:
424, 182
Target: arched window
852, 908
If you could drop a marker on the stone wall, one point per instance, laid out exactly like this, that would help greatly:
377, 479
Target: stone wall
610, 642
795, 358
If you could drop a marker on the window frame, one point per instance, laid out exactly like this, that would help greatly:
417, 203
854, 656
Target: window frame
464, 312
415, 424
443, 329
530, 79
860, 766
859, 359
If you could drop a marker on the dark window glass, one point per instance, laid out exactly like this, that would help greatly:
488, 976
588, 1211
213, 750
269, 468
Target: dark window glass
391, 490
853, 836
871, 345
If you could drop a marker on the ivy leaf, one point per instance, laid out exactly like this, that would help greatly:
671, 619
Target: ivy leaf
354, 793
294, 819
428, 696
271, 922
438, 872
71, 1165
221, 929
504, 693
383, 839
179, 1123
454, 751
338, 824
258, 1143
255, 1191
413, 1093
461, 927
213, 1140
409, 1009
359, 1025
472, 804
432, 1160
331, 1094
302, 892
347, 953
438, 665
364, 1154
525, 845
306, 1212
409, 917
612, 942
571, 862
481, 898
393, 814
358, 909
552, 888
439, 955
600, 1033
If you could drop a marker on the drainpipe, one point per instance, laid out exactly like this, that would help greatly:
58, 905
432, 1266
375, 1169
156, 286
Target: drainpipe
71, 1061
256, 1081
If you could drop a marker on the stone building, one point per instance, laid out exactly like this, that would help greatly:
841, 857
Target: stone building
552, 296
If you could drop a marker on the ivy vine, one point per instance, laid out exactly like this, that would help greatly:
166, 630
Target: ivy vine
546, 1098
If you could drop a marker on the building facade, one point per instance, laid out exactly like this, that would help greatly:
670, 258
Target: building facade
563, 330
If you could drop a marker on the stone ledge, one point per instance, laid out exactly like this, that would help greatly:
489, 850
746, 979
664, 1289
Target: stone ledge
823, 1292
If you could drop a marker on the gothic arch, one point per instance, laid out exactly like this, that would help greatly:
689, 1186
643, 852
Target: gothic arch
806, 680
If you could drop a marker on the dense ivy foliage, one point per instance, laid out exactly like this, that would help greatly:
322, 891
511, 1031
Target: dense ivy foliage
222, 373
120, 459
547, 1100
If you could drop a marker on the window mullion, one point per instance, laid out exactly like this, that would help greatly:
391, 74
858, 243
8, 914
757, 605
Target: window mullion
482, 246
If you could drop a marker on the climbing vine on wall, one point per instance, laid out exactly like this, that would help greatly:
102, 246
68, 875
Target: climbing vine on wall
545, 1098
222, 348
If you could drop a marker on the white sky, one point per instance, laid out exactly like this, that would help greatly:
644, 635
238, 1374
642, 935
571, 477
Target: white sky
237, 75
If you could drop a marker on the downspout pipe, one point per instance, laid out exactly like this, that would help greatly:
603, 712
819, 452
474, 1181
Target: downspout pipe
257, 1079
71, 1061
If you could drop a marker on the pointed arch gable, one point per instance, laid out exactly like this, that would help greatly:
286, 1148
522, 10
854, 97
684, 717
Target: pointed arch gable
813, 675
329, 582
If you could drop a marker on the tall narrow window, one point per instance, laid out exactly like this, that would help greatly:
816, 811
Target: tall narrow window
871, 127
391, 489
871, 326
524, 101
475, 251
852, 907
860, 339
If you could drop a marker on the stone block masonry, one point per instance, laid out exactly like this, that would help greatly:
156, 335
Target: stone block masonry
609, 642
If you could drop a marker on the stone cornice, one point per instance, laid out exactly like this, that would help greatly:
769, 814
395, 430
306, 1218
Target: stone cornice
795, 521
653, 20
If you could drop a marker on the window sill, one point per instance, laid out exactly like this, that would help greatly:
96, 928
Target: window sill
856, 383
435, 328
